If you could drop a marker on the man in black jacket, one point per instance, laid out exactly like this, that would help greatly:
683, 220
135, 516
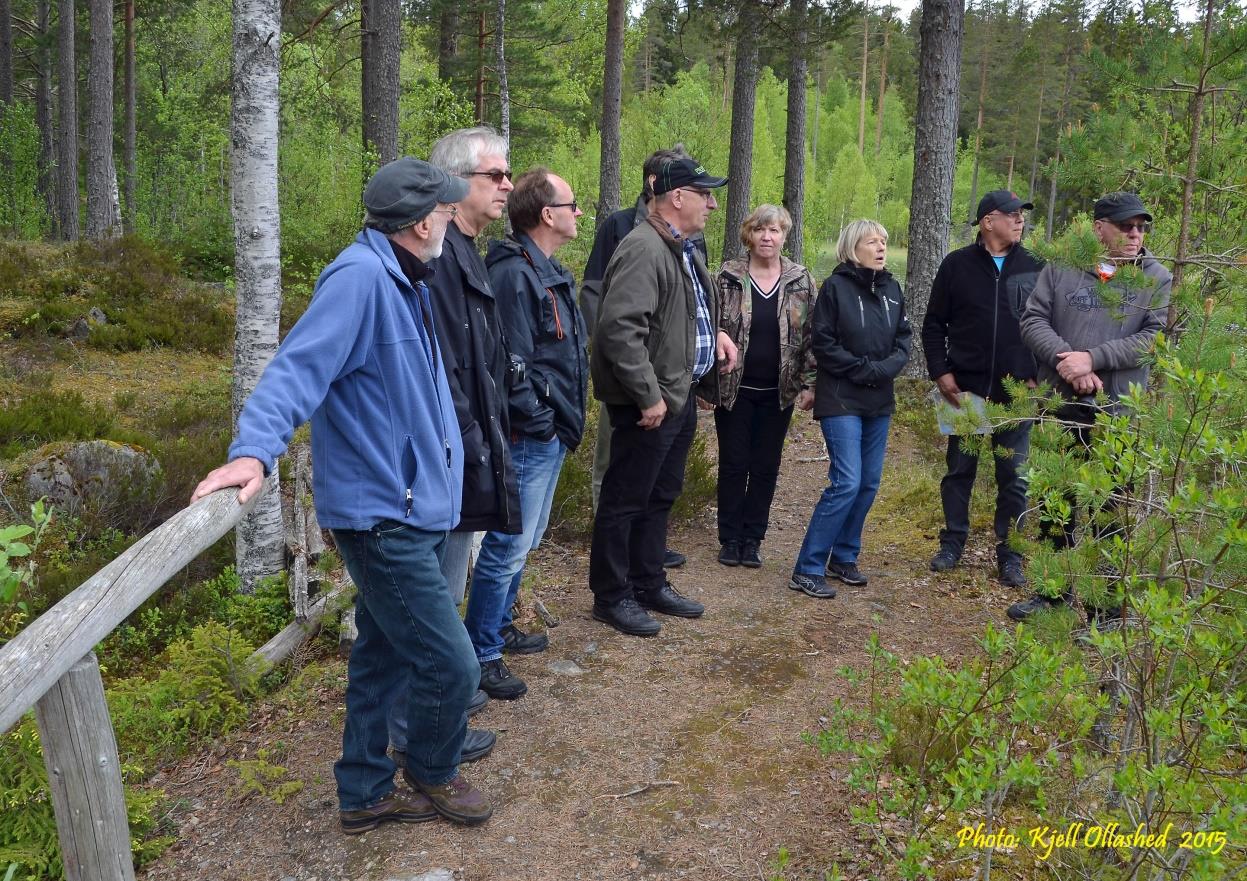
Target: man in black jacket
537, 301
609, 235
972, 342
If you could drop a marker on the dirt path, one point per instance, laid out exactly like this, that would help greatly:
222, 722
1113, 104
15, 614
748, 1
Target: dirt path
673, 757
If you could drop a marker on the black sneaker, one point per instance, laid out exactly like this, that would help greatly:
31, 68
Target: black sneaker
1011, 572
477, 744
400, 806
628, 617
749, 556
947, 558
669, 601
517, 642
729, 553
477, 702
673, 559
500, 683
1037, 603
812, 585
846, 572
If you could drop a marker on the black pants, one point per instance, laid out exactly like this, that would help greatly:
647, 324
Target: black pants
751, 444
958, 483
1107, 521
642, 481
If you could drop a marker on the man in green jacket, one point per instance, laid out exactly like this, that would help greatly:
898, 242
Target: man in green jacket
655, 338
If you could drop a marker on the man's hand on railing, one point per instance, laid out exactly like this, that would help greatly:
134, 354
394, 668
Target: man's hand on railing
245, 472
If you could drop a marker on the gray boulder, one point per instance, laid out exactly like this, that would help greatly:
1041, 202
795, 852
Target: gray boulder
100, 476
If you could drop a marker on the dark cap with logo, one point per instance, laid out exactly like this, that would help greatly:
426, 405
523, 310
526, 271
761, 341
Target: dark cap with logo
684, 173
1004, 201
404, 191
1120, 206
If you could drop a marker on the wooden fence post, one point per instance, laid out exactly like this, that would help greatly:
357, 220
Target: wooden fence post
84, 774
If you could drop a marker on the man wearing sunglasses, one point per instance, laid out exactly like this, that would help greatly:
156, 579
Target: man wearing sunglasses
1089, 340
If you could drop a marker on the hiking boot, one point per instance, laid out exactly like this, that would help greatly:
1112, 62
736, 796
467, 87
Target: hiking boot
477, 744
812, 585
749, 556
477, 702
947, 558
456, 800
1037, 603
400, 806
729, 553
626, 616
500, 683
517, 642
673, 559
846, 572
1104, 618
669, 601
1011, 572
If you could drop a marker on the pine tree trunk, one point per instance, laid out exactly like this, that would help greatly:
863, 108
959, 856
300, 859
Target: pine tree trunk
447, 42
740, 150
1192, 162
861, 104
128, 147
1030, 192
67, 130
44, 111
382, 43
6, 54
794, 139
1056, 159
500, 59
978, 129
935, 156
612, 104
260, 538
103, 201
480, 67
883, 86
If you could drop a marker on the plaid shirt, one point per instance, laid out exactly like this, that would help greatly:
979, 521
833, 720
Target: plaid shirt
704, 359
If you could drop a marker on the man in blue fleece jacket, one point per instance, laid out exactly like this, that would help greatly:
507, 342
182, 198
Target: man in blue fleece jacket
363, 363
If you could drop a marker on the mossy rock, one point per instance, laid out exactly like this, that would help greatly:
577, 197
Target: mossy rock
121, 481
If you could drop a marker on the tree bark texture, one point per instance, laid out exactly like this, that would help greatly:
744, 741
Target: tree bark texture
794, 138
612, 103
935, 156
103, 201
447, 42
740, 150
44, 110
480, 67
1056, 158
883, 85
500, 59
861, 104
978, 128
260, 538
67, 130
6, 53
382, 43
1030, 192
128, 144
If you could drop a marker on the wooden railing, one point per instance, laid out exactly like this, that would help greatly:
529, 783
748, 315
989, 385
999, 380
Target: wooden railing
51, 666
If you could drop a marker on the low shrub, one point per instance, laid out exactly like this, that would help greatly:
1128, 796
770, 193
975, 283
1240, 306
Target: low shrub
40, 417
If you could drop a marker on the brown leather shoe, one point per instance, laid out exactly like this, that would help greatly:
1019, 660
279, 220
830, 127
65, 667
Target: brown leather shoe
456, 800
400, 806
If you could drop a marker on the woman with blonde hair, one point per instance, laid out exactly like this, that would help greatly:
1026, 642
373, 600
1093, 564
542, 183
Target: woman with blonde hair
765, 303
861, 343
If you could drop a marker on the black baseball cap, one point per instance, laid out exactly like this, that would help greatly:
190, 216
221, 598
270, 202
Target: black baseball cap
1120, 206
1004, 201
685, 173
404, 191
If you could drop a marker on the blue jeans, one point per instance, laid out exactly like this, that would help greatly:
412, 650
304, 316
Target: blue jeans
855, 448
500, 564
409, 632
454, 571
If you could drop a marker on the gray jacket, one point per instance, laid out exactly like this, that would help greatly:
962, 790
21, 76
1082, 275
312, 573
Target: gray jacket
1065, 313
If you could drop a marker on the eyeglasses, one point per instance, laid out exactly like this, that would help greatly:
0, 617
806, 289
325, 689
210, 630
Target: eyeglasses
1142, 226
1012, 215
498, 175
572, 205
705, 194
452, 210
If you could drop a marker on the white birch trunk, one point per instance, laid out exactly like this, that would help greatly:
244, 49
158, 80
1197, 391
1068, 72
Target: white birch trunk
260, 539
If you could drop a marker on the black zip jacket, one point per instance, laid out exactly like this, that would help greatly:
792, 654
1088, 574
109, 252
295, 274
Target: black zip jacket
470, 336
537, 301
971, 327
861, 342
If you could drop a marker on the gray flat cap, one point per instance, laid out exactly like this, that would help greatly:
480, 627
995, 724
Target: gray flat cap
404, 191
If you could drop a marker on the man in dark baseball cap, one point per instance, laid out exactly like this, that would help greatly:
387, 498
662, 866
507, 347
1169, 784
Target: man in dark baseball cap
1120, 206
1001, 202
363, 363
685, 173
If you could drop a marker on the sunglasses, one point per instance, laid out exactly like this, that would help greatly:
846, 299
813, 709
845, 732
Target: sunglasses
452, 210
497, 175
1142, 226
572, 205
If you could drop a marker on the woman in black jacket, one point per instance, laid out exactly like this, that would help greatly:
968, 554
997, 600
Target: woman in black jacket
861, 344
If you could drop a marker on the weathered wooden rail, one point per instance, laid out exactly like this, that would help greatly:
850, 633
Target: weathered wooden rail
51, 666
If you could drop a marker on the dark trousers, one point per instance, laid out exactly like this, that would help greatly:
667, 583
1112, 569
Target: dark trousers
642, 481
751, 443
1106, 521
1014, 442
